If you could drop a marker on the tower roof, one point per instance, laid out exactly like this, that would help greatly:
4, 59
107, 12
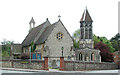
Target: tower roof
32, 21
86, 16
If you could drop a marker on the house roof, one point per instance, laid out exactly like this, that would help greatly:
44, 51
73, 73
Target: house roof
32, 35
86, 16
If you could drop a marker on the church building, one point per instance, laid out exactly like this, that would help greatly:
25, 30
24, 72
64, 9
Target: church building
51, 40
54, 41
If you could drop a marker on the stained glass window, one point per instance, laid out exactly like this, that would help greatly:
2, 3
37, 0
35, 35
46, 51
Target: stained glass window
59, 36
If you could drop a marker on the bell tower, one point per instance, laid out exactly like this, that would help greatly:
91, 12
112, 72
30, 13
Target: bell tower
86, 32
32, 24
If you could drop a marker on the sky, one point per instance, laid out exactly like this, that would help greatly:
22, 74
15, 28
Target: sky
15, 16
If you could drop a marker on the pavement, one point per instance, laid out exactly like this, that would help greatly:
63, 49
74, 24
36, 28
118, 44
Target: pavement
54, 70
16, 71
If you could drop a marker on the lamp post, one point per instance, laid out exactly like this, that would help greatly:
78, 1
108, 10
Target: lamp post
62, 50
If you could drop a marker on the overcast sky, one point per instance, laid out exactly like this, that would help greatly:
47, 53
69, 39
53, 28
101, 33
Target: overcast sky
16, 14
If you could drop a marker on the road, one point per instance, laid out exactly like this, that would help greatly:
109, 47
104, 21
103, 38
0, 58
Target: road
56, 73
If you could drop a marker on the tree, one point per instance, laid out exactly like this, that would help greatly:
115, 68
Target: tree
116, 42
76, 43
33, 47
106, 56
108, 43
6, 47
96, 39
104, 40
76, 36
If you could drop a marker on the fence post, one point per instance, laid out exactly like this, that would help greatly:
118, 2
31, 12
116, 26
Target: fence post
46, 63
62, 63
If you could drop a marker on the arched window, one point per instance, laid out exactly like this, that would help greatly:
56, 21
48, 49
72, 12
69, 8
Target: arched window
92, 57
90, 33
82, 33
86, 33
80, 56
81, 25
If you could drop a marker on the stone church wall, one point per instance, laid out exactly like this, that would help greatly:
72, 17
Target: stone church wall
76, 65
26, 64
54, 45
6, 63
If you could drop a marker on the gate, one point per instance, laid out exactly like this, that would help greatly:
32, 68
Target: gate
54, 64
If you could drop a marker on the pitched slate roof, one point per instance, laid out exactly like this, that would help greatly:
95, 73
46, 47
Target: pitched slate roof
43, 37
35, 32
86, 16
32, 34
45, 34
